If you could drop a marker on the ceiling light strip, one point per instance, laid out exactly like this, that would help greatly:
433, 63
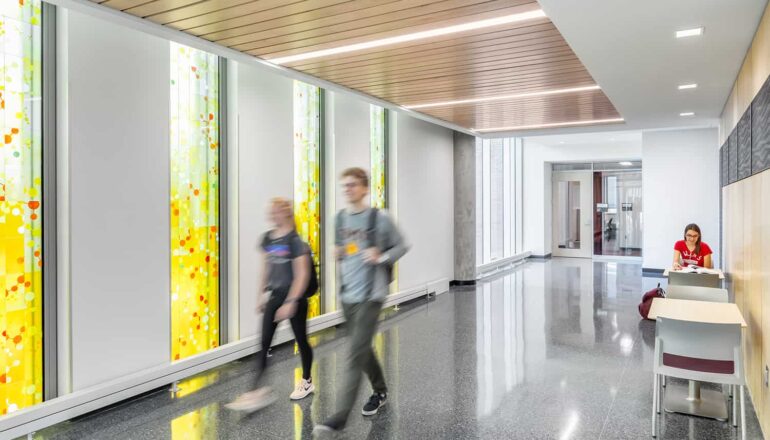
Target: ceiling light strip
507, 19
689, 32
504, 97
557, 124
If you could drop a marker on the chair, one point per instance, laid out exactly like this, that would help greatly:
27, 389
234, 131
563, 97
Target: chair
693, 279
699, 351
696, 293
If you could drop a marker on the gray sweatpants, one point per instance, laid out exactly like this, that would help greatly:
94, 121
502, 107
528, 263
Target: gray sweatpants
362, 325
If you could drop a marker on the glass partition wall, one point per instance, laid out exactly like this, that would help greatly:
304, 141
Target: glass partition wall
617, 209
618, 214
498, 199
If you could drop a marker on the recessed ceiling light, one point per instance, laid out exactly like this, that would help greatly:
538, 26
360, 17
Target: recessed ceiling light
687, 86
689, 32
625, 163
502, 97
687, 114
557, 124
507, 19
562, 142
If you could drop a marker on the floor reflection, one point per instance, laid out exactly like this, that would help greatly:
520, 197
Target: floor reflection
199, 424
499, 340
548, 350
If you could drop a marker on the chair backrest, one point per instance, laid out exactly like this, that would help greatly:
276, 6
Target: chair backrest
693, 279
700, 346
697, 293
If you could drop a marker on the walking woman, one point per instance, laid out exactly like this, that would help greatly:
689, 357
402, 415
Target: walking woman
282, 294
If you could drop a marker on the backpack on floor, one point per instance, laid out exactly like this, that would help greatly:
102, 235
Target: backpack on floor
644, 306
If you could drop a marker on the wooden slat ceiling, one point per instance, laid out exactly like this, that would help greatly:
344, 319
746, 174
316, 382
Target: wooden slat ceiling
509, 59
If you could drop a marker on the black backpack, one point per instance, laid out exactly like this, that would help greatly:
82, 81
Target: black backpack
312, 282
371, 236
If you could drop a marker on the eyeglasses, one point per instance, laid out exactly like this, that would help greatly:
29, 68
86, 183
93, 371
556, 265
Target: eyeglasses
691, 236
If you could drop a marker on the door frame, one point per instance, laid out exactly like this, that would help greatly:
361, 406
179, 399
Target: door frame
586, 213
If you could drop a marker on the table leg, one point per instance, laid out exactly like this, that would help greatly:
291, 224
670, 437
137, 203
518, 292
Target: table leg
694, 390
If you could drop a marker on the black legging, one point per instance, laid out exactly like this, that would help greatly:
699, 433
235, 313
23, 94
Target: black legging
298, 325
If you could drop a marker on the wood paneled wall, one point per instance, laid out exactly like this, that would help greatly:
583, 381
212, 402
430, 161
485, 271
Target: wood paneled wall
754, 71
746, 209
746, 228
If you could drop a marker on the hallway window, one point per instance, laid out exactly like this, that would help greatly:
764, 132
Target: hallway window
498, 199
194, 201
307, 174
21, 226
379, 150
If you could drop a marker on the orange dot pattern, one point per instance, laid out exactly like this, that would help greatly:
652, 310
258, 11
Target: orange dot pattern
307, 173
194, 204
21, 283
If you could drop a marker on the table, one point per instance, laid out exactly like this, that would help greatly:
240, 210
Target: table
694, 401
721, 274
696, 311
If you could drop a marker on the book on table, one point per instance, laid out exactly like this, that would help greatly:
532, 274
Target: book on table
698, 269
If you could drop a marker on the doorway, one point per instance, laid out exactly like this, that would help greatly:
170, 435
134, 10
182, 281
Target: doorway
572, 221
618, 213
597, 209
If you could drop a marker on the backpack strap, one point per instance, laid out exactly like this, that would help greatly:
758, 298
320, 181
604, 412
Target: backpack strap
371, 230
371, 237
337, 227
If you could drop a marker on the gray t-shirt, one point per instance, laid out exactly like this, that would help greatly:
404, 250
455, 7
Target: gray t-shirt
280, 252
359, 281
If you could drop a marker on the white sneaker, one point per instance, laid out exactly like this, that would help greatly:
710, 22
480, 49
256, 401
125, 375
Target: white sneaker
252, 401
304, 387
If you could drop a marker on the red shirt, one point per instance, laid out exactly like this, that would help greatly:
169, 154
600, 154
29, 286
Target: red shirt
688, 257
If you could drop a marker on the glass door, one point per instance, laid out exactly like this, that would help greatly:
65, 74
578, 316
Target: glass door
572, 215
618, 213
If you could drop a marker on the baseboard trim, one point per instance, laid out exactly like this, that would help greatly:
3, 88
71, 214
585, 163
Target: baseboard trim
460, 283
652, 272
494, 267
541, 257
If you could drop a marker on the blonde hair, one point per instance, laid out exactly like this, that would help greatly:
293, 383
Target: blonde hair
284, 205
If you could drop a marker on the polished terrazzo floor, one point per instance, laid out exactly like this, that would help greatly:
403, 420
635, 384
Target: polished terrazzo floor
548, 350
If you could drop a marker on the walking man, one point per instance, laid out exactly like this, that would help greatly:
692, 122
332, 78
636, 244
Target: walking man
367, 245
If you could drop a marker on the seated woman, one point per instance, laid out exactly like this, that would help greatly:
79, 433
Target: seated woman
691, 251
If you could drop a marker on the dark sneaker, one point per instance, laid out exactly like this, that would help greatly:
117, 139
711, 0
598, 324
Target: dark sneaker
374, 404
327, 429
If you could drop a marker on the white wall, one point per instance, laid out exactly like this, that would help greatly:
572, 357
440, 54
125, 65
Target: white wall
117, 117
266, 169
680, 181
425, 201
119, 193
537, 181
351, 137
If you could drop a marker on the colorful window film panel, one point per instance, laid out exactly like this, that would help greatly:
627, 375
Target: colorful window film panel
307, 173
194, 201
21, 234
377, 143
